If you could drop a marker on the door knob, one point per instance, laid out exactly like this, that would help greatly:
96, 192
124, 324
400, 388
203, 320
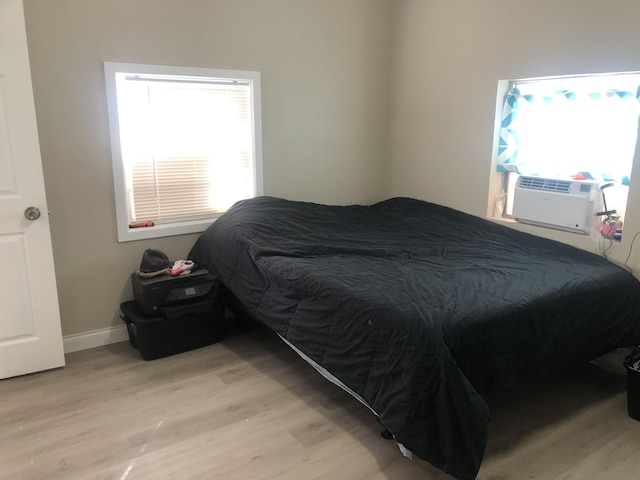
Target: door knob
32, 213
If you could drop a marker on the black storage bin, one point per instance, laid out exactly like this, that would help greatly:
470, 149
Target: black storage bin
184, 328
632, 364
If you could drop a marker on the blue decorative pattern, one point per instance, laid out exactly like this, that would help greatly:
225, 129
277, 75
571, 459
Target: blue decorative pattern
564, 132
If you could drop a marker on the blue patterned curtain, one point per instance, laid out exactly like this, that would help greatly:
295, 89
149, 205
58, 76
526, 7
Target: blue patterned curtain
564, 133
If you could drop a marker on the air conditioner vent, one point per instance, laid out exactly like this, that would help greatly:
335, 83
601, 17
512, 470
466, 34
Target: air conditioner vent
546, 184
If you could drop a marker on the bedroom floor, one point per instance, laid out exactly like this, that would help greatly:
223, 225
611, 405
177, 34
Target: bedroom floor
249, 408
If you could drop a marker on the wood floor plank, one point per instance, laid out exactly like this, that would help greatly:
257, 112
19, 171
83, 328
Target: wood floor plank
250, 408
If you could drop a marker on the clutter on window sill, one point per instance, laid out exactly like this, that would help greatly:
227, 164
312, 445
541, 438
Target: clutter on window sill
612, 228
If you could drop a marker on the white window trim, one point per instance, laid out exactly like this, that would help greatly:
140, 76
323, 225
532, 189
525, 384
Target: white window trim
125, 233
628, 79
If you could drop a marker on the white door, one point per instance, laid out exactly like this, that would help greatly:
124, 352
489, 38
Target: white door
30, 334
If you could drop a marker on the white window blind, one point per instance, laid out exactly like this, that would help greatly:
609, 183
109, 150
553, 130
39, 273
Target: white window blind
186, 145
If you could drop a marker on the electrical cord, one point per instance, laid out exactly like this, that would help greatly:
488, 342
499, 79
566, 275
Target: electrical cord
630, 250
606, 250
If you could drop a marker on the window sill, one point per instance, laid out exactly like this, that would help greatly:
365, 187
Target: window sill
584, 242
126, 234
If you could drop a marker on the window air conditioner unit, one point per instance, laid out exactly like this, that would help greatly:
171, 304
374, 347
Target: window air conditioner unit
562, 204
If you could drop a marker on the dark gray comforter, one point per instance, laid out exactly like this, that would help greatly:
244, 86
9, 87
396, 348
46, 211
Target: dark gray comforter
420, 309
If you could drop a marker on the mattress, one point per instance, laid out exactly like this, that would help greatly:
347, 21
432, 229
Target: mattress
421, 311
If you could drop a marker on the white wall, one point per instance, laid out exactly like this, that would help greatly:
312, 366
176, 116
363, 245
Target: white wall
362, 99
325, 84
450, 55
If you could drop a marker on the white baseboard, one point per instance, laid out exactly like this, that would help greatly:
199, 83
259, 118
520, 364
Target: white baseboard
95, 338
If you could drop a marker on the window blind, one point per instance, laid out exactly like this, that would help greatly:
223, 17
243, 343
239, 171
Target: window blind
186, 145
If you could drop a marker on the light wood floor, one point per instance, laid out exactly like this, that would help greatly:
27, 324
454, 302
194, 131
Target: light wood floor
249, 408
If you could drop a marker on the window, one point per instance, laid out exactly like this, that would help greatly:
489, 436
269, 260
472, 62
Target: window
185, 145
583, 127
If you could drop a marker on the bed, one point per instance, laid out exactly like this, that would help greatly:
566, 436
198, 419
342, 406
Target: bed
420, 311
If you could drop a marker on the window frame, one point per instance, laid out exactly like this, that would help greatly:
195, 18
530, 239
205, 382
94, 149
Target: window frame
503, 182
178, 227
